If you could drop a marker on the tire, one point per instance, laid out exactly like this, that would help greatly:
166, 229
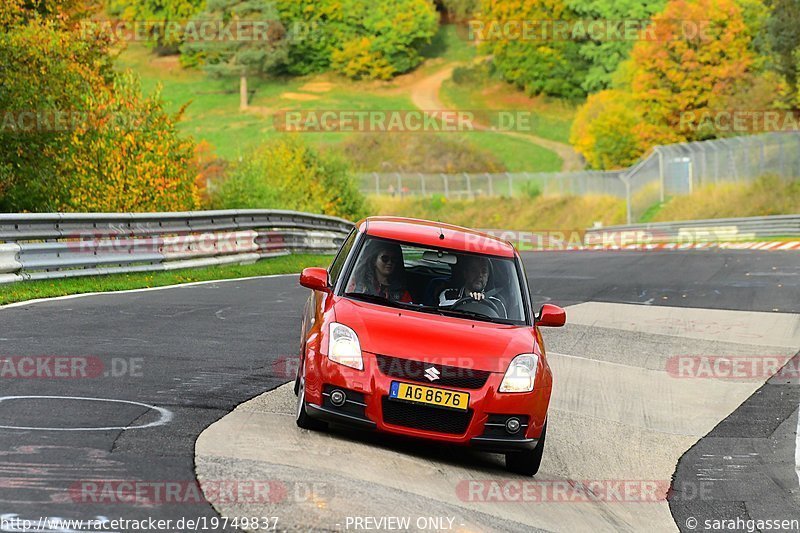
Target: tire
527, 462
301, 416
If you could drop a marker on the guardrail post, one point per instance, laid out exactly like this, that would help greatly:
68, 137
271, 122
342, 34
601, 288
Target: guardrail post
422, 183
469, 186
491, 189
446, 186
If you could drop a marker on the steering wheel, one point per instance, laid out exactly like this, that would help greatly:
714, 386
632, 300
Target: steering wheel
461, 302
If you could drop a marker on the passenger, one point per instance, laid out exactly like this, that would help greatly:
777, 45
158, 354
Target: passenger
380, 272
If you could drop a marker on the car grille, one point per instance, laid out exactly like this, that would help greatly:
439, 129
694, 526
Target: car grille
435, 419
449, 376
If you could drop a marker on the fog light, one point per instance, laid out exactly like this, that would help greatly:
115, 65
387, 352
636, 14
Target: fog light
512, 425
338, 398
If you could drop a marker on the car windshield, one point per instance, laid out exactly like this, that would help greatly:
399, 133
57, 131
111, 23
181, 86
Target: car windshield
459, 284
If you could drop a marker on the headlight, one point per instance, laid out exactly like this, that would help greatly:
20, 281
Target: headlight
344, 347
521, 373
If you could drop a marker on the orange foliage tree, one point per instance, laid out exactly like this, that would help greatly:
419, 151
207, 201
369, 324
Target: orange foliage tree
94, 142
695, 60
698, 60
128, 156
604, 130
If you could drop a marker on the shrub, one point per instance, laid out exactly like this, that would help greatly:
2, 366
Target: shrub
531, 189
287, 174
476, 75
129, 157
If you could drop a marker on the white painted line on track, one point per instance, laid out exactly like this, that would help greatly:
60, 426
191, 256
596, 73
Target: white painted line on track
146, 289
166, 414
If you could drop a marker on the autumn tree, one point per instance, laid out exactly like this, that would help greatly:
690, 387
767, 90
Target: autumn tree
75, 135
356, 38
537, 63
249, 40
698, 59
460, 10
604, 130
159, 14
605, 52
783, 35
128, 155
378, 40
53, 71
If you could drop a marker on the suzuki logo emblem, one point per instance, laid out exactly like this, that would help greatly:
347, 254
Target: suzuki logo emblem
432, 374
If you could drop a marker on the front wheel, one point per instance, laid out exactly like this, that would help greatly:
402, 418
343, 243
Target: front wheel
301, 416
527, 462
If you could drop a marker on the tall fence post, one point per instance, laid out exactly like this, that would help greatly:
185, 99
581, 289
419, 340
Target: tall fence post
781, 158
628, 211
660, 172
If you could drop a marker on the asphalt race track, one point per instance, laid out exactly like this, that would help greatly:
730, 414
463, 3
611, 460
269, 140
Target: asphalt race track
119, 439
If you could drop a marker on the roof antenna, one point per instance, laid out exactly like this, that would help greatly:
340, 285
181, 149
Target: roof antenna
441, 233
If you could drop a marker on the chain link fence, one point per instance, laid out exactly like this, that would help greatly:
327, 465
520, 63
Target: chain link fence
666, 171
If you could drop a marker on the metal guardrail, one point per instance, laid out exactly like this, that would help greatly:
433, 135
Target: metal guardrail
718, 229
61, 245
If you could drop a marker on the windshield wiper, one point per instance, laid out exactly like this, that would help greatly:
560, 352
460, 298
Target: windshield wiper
471, 314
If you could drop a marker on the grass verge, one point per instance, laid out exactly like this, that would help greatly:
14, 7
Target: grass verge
554, 213
29, 290
551, 118
769, 195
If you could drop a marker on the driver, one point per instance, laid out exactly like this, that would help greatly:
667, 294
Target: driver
475, 274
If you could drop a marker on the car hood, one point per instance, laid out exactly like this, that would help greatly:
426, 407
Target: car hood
434, 338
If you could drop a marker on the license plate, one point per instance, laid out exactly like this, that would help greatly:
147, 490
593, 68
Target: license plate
429, 395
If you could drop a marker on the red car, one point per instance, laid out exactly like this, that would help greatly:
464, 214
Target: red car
426, 330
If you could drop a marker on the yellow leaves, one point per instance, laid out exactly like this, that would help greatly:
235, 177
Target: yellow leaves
134, 160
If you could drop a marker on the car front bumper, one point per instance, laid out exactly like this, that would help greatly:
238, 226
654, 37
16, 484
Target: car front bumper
368, 406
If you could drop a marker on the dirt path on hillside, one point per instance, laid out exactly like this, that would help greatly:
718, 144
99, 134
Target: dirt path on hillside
425, 95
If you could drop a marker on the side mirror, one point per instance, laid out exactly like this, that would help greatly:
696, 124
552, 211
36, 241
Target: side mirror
552, 316
315, 278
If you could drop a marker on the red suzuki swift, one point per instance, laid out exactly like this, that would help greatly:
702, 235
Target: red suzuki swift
425, 330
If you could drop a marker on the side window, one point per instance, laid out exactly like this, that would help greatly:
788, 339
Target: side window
338, 263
